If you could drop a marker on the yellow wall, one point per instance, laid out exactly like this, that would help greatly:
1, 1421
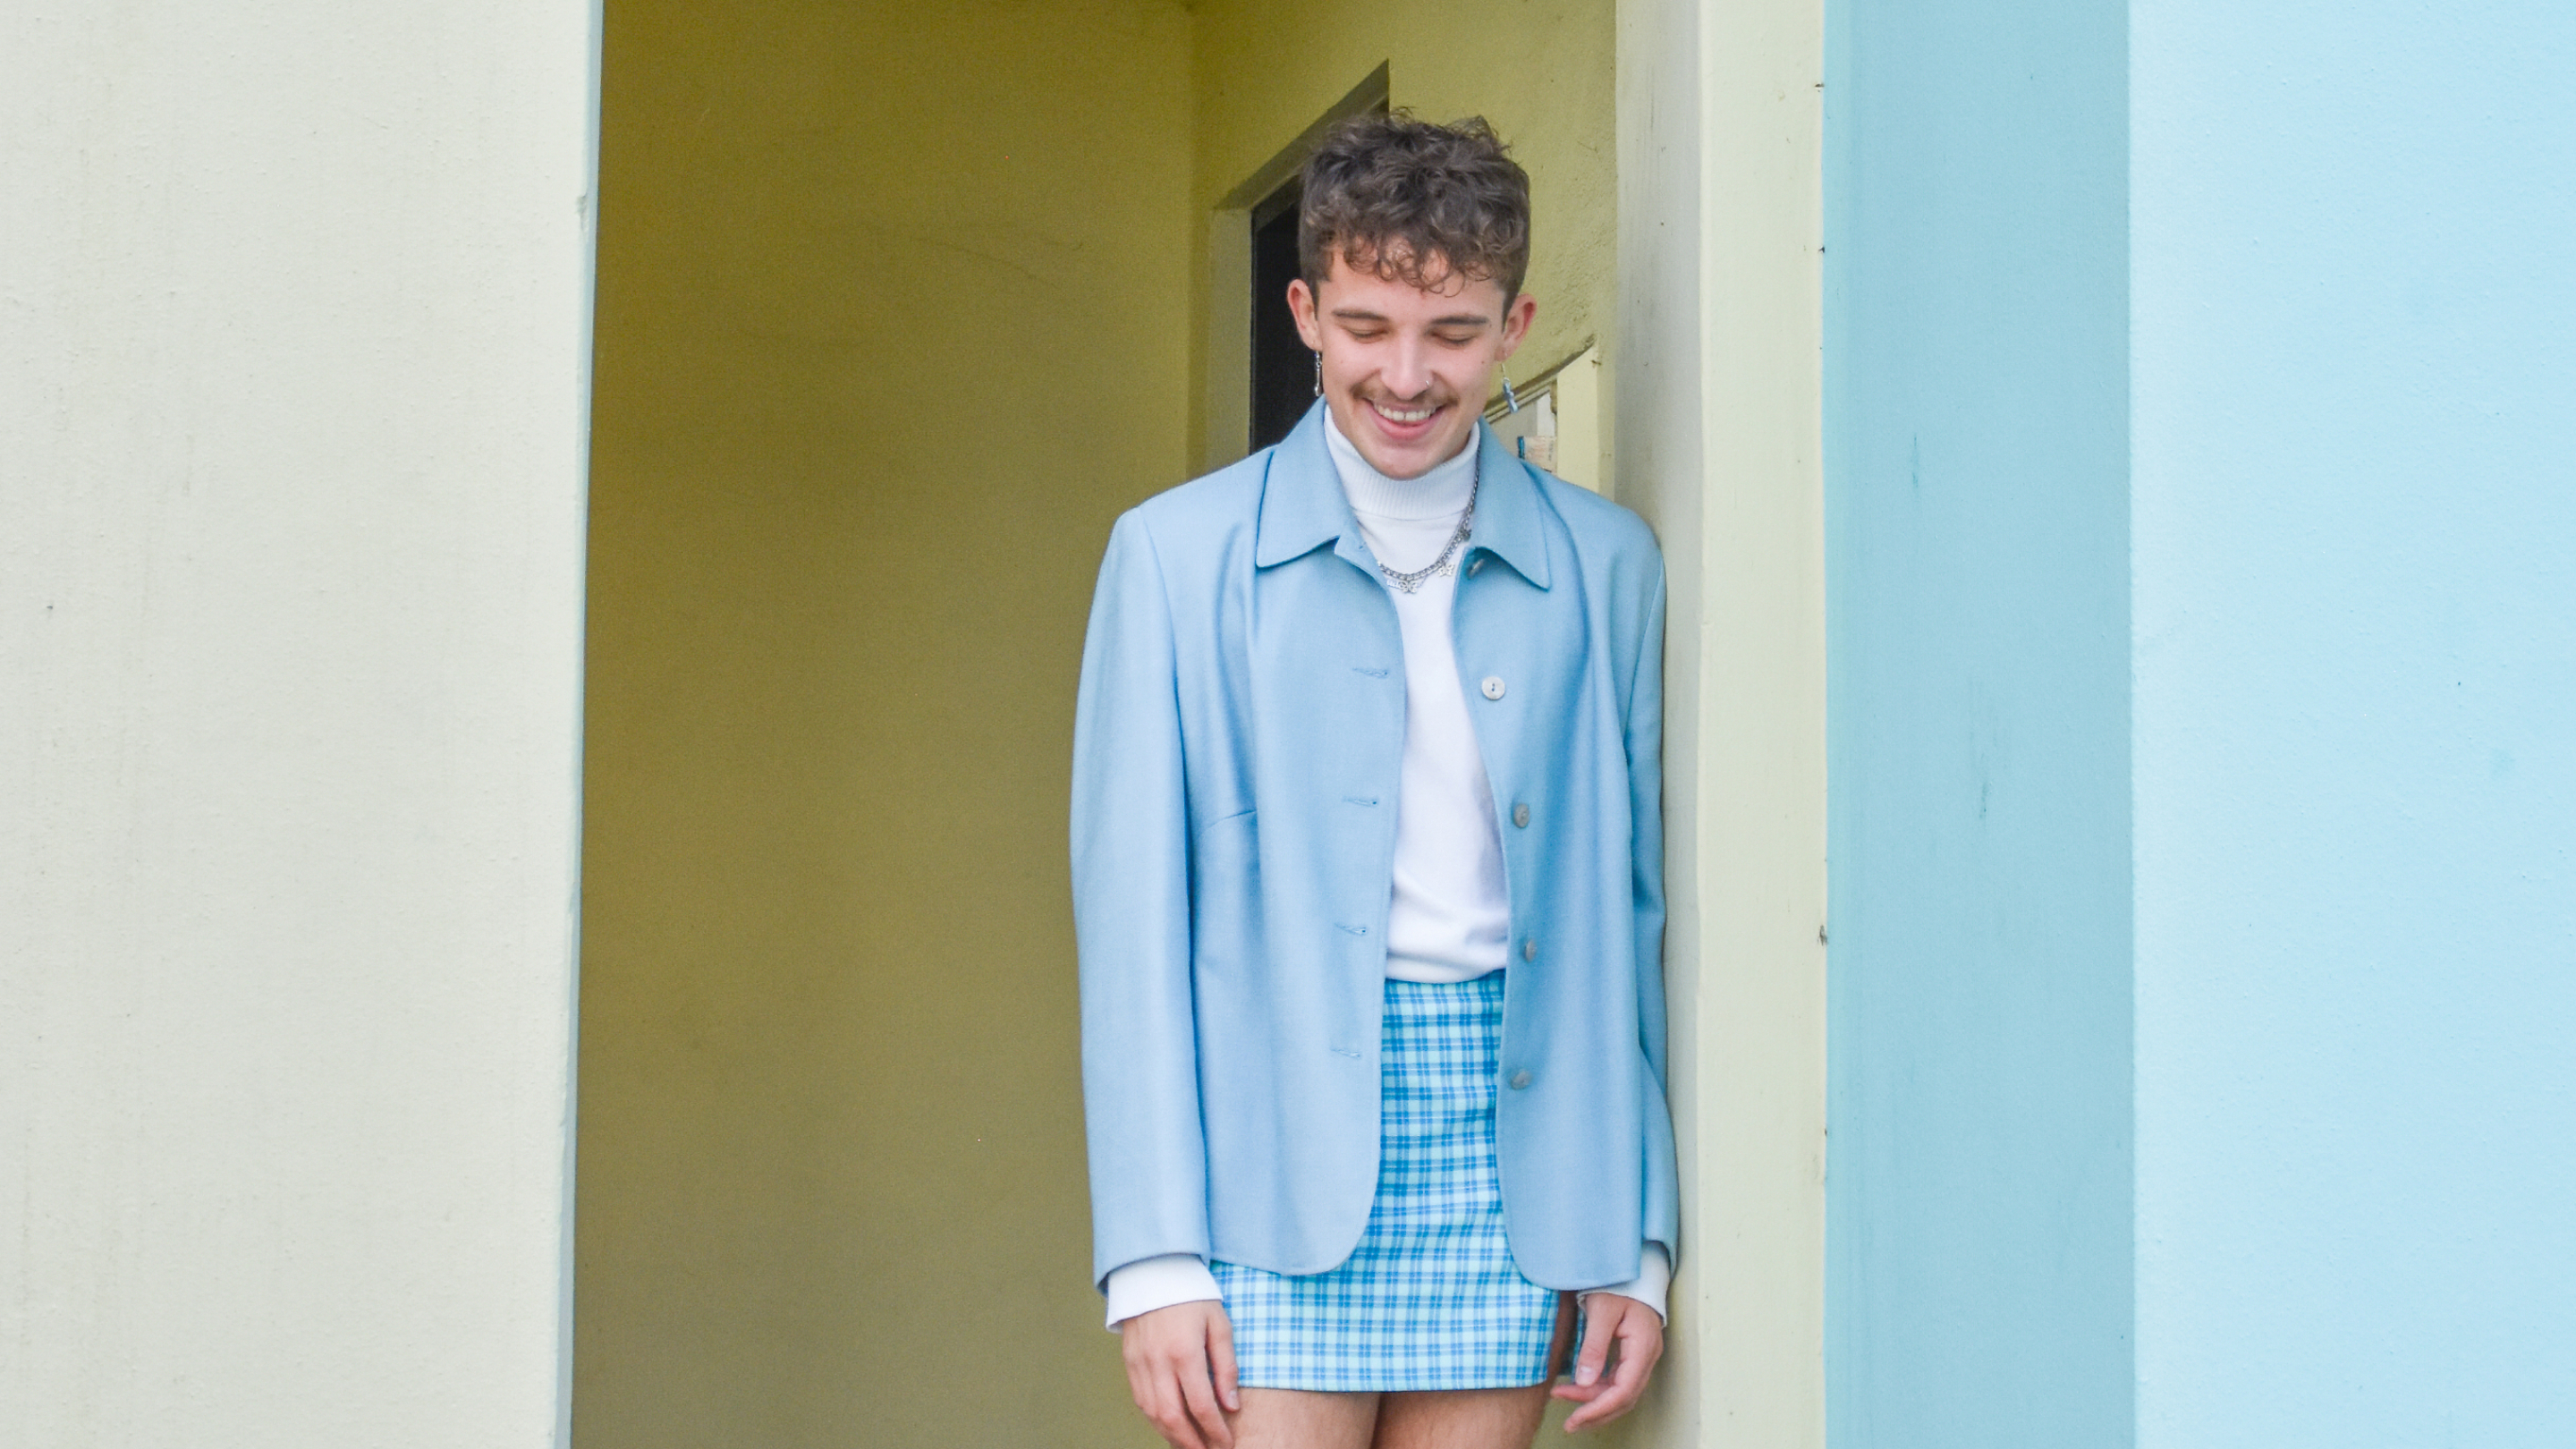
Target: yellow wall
892, 323
1540, 71
896, 312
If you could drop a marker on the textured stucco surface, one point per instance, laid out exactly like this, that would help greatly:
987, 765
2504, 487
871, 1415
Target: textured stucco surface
892, 324
292, 342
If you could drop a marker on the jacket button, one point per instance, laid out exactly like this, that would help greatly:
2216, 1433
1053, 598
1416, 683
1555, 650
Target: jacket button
1520, 816
1493, 686
1520, 1080
1529, 949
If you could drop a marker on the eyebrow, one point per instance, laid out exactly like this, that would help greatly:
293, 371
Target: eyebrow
1455, 319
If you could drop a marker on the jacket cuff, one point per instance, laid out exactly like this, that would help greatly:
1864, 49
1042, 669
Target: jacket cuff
1653, 1281
1151, 1283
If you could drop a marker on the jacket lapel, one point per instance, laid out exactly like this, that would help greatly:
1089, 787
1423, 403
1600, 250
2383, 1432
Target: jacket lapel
1507, 504
1302, 506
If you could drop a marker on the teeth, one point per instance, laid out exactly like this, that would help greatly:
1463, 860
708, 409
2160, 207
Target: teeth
1402, 415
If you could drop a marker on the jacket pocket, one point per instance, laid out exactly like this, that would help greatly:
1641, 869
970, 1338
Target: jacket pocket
1225, 893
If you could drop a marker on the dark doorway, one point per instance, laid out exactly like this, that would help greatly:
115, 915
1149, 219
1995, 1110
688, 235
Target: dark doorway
1283, 370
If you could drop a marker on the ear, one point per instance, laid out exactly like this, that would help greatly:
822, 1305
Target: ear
1516, 323
1301, 305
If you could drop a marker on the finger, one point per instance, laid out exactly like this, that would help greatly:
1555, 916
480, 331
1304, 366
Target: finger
1200, 1396
1597, 1325
1221, 1354
1604, 1407
1600, 1332
1618, 1397
1595, 1407
1639, 1346
1171, 1411
1140, 1381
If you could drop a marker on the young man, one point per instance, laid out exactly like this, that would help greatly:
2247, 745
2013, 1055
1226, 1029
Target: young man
1367, 854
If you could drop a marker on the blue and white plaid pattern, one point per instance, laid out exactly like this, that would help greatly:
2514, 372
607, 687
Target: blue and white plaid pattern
1431, 1298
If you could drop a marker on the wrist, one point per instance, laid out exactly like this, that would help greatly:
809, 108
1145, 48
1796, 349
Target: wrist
1650, 1287
1147, 1284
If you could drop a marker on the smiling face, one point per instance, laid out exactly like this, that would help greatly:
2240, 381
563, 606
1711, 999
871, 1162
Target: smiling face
1406, 368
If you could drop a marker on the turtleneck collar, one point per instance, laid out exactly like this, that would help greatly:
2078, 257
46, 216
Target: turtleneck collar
1439, 493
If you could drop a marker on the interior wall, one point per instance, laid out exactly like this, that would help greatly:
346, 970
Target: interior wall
1542, 73
893, 320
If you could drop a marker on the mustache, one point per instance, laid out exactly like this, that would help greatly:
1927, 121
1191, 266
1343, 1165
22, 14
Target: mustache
1433, 398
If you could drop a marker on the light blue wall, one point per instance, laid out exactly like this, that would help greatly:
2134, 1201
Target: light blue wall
1977, 515
2201, 482
2354, 531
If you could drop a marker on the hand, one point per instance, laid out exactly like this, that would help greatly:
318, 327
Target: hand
1180, 1367
1639, 1333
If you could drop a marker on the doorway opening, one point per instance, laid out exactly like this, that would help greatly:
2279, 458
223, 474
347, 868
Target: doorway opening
1259, 377
892, 325
1283, 371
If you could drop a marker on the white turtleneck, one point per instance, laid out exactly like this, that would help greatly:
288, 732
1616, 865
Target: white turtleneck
1449, 918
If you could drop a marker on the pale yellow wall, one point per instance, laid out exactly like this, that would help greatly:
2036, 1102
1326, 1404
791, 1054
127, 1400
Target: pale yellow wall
1541, 72
291, 420
892, 323
897, 310
1720, 124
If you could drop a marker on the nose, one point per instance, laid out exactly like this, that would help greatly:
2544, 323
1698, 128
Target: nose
1408, 372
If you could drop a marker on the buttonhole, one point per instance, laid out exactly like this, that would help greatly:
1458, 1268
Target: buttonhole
1371, 673
1354, 930
1360, 799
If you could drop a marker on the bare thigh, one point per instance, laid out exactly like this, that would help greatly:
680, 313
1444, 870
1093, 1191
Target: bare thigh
1461, 1418
1300, 1419
1473, 1418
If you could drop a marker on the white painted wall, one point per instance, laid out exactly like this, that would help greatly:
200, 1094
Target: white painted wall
293, 345
1719, 419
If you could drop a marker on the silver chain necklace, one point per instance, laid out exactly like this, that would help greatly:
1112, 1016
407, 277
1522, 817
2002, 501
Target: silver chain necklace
1447, 562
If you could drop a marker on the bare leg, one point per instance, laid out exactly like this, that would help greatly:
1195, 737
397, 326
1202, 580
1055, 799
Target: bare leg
1461, 1418
1299, 1419
1473, 1418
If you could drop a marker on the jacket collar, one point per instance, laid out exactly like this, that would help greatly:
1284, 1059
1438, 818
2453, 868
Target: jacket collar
1302, 507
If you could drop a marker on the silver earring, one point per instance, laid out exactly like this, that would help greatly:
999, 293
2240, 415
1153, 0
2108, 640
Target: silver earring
1510, 398
1319, 374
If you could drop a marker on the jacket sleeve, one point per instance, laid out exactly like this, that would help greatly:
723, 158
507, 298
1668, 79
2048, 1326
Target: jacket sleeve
1645, 736
1131, 907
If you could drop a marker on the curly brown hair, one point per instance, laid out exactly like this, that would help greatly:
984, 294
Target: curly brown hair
1411, 201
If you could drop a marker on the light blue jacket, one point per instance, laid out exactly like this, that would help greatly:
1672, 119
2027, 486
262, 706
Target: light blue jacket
1236, 752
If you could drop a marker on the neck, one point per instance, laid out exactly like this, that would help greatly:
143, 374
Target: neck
1440, 491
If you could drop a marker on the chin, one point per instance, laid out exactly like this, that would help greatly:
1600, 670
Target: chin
1440, 449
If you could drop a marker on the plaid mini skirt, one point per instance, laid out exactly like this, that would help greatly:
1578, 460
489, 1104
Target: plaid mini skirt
1430, 1299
